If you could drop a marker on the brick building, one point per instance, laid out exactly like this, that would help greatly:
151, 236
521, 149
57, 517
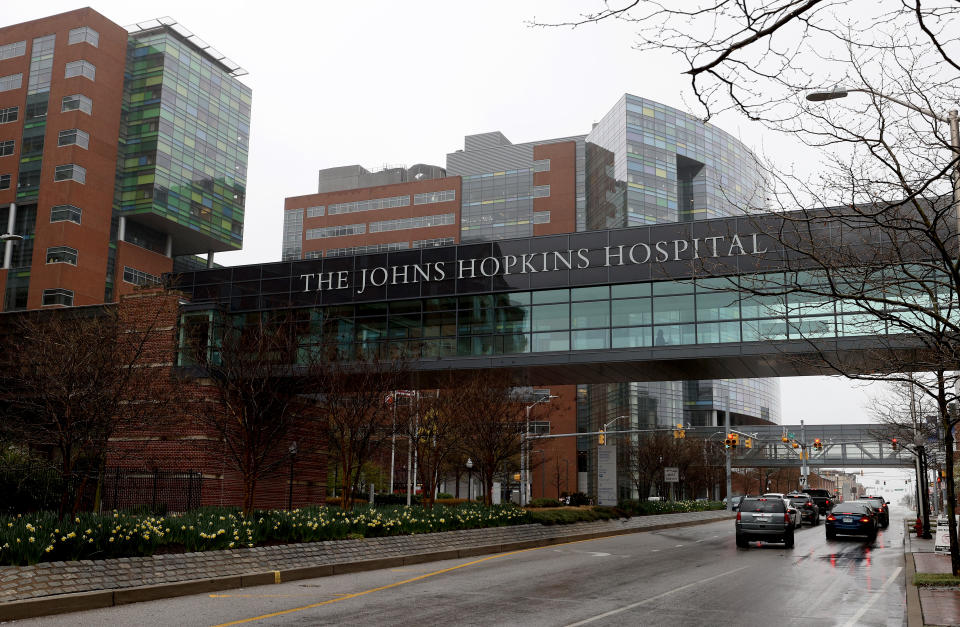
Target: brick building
123, 154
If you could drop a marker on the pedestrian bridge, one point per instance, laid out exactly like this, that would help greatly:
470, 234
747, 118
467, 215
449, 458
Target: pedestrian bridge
844, 446
658, 303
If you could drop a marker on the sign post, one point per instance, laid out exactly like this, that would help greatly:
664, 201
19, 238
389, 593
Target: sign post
671, 475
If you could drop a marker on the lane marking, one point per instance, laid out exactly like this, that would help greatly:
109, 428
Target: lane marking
400, 583
654, 598
678, 546
876, 595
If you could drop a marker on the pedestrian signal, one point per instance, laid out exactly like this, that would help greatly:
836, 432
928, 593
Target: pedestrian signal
893, 444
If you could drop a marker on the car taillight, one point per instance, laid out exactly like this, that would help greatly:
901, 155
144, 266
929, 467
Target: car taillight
828, 501
831, 517
786, 517
864, 519
809, 504
738, 516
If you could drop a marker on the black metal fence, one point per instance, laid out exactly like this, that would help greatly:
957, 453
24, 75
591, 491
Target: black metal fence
30, 487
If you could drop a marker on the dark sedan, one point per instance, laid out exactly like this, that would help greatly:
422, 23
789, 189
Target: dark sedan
851, 519
809, 512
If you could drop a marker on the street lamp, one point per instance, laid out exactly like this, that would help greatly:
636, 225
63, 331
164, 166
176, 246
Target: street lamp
525, 451
11, 237
469, 479
951, 119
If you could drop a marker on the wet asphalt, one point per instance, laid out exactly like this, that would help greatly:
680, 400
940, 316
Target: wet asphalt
687, 576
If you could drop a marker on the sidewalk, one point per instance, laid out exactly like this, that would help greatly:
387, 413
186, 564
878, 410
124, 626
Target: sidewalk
928, 605
57, 587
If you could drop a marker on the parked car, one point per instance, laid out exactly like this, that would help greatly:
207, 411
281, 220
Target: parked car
878, 503
822, 498
767, 519
809, 512
852, 519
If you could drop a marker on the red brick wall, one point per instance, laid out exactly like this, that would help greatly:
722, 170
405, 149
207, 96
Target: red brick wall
175, 443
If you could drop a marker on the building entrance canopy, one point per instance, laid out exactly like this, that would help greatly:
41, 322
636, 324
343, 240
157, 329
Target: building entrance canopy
662, 302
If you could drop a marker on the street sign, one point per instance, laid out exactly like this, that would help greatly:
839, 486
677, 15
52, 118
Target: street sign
607, 475
671, 474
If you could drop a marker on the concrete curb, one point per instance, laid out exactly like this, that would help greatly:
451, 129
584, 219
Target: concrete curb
79, 601
914, 609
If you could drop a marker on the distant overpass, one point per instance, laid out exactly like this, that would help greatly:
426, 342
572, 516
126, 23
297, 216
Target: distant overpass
844, 445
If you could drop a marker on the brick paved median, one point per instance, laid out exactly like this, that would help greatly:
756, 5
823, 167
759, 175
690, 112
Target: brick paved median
59, 578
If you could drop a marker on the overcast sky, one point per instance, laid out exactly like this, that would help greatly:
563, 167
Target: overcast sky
385, 82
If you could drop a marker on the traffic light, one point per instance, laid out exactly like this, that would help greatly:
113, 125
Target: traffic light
748, 443
817, 444
784, 439
679, 433
893, 444
602, 438
728, 443
795, 445
734, 440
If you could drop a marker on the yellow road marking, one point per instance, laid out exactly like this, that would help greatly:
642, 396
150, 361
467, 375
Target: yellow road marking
400, 583
256, 596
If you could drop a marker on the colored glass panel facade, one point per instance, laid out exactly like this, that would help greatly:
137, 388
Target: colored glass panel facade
185, 140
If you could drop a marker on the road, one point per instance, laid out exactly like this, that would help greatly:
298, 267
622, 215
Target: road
688, 576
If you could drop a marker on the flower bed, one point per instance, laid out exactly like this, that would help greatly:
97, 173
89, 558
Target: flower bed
31, 538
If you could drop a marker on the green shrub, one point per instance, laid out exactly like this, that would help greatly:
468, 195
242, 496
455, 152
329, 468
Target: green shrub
544, 503
569, 516
647, 508
444, 496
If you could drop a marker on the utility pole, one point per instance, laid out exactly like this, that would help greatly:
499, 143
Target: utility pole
804, 470
726, 426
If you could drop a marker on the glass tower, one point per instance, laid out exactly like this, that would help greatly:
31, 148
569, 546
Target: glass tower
184, 140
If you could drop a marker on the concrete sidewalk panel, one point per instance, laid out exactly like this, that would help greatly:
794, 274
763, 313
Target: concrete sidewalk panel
59, 604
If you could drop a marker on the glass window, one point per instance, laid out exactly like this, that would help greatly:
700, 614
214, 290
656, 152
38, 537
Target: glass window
7, 147
315, 212
717, 332
551, 296
590, 293
591, 340
541, 191
762, 306
674, 335
431, 197
73, 137
84, 34
516, 298
10, 114
718, 306
551, 317
673, 309
58, 297
139, 277
541, 217
16, 49
62, 254
812, 327
542, 165
544, 342
65, 213
80, 68
759, 330
631, 290
4, 181
11, 82
590, 314
76, 102
631, 312
70, 172
672, 287
632, 337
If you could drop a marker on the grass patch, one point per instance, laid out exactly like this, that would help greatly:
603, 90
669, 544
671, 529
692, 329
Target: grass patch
935, 579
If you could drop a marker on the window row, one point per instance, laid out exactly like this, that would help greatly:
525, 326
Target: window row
73, 137
431, 197
58, 297
16, 49
62, 254
367, 250
10, 114
7, 147
541, 191
84, 34
70, 172
542, 165
315, 212
336, 231
418, 222
4, 181
76, 102
81, 68
139, 277
368, 205
432, 243
10, 82
65, 213
541, 217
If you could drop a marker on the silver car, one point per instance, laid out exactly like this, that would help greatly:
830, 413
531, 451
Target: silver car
795, 514
767, 519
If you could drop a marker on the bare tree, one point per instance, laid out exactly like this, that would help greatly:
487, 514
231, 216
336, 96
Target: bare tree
436, 434
492, 420
74, 378
250, 391
885, 262
353, 412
